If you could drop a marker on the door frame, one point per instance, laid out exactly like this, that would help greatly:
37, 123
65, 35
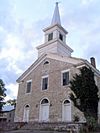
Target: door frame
25, 108
63, 110
40, 110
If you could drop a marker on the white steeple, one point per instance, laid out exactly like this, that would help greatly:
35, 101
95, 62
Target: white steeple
55, 38
56, 16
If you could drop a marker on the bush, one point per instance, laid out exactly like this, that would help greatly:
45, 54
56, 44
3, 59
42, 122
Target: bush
91, 123
76, 118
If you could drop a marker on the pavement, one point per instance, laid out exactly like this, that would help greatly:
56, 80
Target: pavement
35, 131
30, 131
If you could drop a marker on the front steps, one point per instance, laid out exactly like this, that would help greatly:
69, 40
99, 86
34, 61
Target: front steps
54, 126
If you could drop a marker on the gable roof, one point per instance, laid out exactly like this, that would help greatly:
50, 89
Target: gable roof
72, 60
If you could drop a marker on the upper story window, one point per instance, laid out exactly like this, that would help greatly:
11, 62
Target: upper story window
60, 36
50, 36
65, 78
44, 82
29, 86
46, 62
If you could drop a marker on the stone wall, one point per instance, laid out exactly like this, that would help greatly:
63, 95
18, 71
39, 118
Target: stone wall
56, 93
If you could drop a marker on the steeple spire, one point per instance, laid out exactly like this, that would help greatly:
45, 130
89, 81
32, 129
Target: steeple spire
55, 38
56, 16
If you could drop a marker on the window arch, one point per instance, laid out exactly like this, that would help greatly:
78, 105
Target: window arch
66, 101
44, 101
46, 62
27, 106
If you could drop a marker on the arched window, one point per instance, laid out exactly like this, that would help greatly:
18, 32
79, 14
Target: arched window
44, 101
46, 62
66, 111
66, 101
27, 106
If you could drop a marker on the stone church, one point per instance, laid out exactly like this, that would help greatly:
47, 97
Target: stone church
44, 91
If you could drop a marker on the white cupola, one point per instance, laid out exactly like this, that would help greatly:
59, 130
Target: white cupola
55, 38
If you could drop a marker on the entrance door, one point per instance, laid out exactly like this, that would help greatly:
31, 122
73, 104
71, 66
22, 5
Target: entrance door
66, 111
26, 114
44, 110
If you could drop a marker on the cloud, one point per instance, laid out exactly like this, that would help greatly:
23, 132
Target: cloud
16, 47
83, 26
19, 37
86, 2
12, 90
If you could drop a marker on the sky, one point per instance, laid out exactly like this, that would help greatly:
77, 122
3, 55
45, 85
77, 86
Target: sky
21, 25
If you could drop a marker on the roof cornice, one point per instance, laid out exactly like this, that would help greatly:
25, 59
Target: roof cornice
55, 25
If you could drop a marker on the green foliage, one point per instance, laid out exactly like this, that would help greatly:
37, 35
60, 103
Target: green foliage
85, 89
12, 102
2, 93
91, 123
76, 118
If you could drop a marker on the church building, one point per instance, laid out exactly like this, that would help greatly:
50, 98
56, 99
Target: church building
44, 90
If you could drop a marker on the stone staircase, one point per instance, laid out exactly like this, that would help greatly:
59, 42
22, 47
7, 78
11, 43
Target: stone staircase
69, 127
6, 126
54, 126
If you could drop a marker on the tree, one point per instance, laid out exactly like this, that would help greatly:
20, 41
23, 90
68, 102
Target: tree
2, 93
84, 87
12, 102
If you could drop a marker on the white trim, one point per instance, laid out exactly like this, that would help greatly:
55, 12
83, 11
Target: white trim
80, 66
24, 112
63, 71
65, 100
29, 80
45, 76
43, 99
63, 110
46, 61
72, 60
26, 105
40, 110
66, 70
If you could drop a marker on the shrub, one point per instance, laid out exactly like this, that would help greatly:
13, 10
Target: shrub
91, 123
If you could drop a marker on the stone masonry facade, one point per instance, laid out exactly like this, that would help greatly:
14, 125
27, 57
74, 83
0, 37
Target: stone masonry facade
56, 93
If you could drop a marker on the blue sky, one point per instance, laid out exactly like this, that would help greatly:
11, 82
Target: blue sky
21, 24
